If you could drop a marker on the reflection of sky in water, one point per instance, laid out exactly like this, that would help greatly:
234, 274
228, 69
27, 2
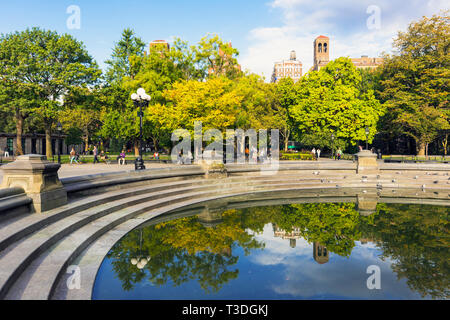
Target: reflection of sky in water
277, 272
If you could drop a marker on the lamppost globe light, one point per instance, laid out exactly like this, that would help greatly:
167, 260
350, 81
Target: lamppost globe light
147, 97
134, 261
141, 92
134, 97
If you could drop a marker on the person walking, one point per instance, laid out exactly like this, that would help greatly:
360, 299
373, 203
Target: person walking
189, 158
95, 155
73, 156
318, 154
7, 153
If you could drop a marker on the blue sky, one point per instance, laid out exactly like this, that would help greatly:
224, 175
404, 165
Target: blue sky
264, 31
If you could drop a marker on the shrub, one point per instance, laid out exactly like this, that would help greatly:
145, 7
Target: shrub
297, 156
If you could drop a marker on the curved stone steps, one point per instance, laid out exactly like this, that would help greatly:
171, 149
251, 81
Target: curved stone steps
14, 259
13, 230
63, 252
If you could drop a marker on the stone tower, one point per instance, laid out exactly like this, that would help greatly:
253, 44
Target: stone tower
321, 52
320, 253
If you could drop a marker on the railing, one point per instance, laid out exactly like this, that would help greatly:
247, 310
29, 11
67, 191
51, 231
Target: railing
415, 159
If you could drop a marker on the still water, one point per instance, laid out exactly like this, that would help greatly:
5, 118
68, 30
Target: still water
294, 251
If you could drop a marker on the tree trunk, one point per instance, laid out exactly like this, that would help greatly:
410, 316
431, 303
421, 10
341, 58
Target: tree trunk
155, 143
86, 140
286, 140
136, 147
48, 142
444, 144
86, 143
19, 132
421, 148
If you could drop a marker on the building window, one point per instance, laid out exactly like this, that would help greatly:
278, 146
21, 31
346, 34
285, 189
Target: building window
320, 47
325, 47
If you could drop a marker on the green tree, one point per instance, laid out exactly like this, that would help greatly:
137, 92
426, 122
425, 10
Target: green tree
416, 239
83, 113
47, 66
415, 81
331, 101
214, 57
17, 101
120, 64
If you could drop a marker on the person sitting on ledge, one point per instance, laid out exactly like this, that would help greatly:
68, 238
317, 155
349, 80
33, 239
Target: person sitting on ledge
104, 157
122, 158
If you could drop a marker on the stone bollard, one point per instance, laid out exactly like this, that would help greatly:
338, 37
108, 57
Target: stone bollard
215, 170
39, 178
367, 162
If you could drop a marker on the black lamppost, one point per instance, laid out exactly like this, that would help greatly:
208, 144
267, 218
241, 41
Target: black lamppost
332, 145
140, 99
59, 128
367, 138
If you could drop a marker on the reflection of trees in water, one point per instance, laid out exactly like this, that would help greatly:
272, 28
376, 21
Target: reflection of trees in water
416, 238
183, 249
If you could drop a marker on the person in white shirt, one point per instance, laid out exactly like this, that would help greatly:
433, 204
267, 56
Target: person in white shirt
318, 153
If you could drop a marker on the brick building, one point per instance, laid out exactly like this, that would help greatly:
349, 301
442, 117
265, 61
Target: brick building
365, 62
159, 46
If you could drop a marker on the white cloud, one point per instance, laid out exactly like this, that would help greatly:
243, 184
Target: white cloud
345, 22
